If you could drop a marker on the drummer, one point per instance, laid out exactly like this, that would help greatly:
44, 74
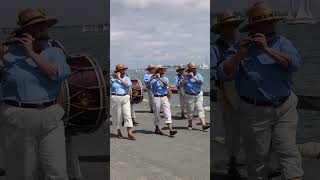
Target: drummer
159, 85
120, 100
150, 71
177, 79
194, 95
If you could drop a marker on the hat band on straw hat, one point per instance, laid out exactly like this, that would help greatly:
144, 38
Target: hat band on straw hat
227, 18
32, 19
257, 18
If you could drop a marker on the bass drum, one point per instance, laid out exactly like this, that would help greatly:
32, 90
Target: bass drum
136, 92
83, 96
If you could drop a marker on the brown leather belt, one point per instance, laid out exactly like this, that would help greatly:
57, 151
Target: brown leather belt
160, 95
30, 105
264, 103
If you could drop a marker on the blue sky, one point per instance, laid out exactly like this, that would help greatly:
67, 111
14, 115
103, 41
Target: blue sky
159, 32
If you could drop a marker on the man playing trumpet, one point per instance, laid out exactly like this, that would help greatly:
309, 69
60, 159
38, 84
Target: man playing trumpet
159, 85
194, 95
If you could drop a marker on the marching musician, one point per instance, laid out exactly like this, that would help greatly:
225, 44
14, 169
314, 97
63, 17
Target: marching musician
263, 64
159, 84
228, 98
180, 75
120, 84
133, 116
194, 95
150, 72
30, 118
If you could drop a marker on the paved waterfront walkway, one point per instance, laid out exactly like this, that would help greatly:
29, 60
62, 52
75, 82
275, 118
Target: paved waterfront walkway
184, 157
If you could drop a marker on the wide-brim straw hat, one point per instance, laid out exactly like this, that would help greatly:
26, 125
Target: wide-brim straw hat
150, 66
191, 66
226, 17
120, 67
33, 15
161, 67
259, 12
180, 68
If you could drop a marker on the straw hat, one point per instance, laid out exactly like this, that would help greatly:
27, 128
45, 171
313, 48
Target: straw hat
191, 66
33, 15
259, 12
226, 17
180, 67
120, 67
150, 66
160, 67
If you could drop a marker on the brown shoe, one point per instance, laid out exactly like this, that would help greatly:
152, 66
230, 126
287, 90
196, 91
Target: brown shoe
204, 127
131, 137
119, 135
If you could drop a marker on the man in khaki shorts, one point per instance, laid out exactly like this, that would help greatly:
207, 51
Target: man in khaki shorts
194, 95
262, 65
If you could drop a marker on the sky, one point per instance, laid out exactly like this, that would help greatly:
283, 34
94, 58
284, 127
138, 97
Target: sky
282, 5
69, 12
159, 32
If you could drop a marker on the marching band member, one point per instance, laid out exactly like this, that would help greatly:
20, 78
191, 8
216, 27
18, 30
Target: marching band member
228, 98
263, 65
133, 115
180, 75
150, 71
159, 84
120, 100
30, 119
194, 95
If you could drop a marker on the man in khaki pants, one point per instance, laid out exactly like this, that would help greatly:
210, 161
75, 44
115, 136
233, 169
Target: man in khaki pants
180, 75
194, 95
262, 65
159, 84
120, 84
150, 72
228, 98
30, 119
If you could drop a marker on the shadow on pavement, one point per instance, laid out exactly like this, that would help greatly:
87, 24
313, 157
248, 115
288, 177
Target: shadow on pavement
143, 131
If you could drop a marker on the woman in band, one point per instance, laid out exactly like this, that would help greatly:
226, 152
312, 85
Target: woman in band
120, 84
159, 85
180, 75
194, 95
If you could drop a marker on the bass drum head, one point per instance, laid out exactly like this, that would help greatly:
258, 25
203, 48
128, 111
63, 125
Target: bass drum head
136, 92
83, 96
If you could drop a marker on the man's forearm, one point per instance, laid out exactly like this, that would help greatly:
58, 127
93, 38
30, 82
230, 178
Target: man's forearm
47, 67
124, 81
282, 58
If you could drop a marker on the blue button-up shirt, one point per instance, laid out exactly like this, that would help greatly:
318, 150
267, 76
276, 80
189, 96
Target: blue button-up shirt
192, 86
261, 77
158, 87
177, 79
22, 80
218, 55
118, 87
146, 77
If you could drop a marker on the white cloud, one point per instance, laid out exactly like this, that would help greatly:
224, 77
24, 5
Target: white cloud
159, 32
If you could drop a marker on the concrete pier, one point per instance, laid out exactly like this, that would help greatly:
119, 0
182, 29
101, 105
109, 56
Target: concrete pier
184, 157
